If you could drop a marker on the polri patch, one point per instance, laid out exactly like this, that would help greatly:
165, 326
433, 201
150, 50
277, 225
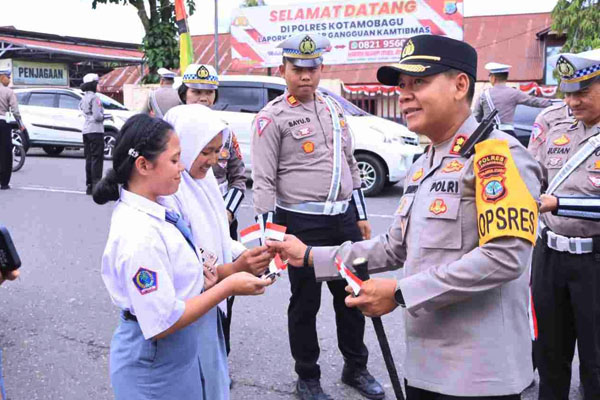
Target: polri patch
308, 147
453, 166
438, 206
145, 280
561, 141
261, 123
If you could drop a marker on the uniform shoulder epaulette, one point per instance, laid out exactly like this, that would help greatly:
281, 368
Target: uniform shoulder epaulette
270, 106
574, 124
292, 101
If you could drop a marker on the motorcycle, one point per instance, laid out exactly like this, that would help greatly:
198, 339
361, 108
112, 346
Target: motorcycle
18, 151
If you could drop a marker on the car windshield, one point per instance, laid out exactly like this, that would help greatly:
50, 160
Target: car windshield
110, 104
349, 108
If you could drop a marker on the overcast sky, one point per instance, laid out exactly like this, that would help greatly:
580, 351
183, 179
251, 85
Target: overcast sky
121, 23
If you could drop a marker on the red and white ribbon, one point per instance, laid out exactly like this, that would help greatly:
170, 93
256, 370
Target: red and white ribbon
350, 278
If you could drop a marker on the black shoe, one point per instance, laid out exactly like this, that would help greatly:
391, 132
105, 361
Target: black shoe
363, 381
310, 389
88, 190
4, 187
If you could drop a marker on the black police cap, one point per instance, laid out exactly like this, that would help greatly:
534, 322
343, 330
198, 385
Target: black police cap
425, 55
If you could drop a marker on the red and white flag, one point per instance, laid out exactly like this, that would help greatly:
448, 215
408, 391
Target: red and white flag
350, 278
251, 233
274, 231
277, 265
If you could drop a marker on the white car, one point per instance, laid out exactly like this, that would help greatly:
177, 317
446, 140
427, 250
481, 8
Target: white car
53, 120
384, 149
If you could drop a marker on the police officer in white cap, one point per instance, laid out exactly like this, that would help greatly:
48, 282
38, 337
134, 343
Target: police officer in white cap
93, 131
165, 97
503, 98
305, 173
566, 281
8, 103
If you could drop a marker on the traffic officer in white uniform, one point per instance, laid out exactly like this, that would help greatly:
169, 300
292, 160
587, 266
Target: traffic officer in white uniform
565, 280
305, 173
464, 232
503, 98
8, 103
165, 97
93, 131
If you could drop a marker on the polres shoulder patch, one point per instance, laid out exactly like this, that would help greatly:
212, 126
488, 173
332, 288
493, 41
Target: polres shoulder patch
145, 280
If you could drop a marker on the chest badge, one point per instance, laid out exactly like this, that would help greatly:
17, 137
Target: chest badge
417, 175
307, 131
438, 207
459, 142
145, 280
453, 166
594, 180
554, 162
308, 147
561, 141
597, 164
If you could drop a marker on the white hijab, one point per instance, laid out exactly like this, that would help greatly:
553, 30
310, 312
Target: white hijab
199, 201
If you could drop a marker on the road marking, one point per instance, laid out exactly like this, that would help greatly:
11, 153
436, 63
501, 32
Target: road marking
49, 189
69, 191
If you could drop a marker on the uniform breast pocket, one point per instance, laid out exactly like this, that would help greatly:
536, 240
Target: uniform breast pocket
303, 131
443, 226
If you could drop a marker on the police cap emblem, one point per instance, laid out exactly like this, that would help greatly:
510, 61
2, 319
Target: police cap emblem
203, 72
409, 49
565, 68
307, 45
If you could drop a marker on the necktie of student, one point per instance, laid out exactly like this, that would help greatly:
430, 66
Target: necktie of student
175, 219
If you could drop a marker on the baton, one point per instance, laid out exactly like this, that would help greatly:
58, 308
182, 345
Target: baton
362, 272
481, 133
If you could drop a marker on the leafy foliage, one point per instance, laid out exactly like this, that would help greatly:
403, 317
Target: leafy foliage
580, 21
160, 44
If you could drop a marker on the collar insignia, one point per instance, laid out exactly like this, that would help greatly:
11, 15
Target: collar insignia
458, 143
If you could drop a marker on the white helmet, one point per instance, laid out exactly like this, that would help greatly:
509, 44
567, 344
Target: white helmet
90, 78
201, 76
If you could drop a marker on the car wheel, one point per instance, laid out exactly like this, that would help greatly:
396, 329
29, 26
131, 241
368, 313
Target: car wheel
110, 140
53, 150
372, 174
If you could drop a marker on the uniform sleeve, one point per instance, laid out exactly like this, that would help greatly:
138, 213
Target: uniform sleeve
523, 98
579, 207
14, 104
538, 136
478, 112
266, 141
145, 272
356, 181
97, 110
486, 267
385, 252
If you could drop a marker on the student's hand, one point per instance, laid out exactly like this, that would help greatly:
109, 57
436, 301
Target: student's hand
9, 276
376, 297
291, 249
365, 229
255, 261
211, 276
245, 284
229, 217
549, 203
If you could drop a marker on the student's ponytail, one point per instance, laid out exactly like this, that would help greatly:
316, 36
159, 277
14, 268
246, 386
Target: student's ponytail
141, 136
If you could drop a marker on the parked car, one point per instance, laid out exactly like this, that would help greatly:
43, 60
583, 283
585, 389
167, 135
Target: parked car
53, 120
524, 118
384, 149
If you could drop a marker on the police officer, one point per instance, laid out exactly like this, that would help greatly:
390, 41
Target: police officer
503, 98
8, 103
93, 131
565, 265
463, 231
165, 97
305, 173
543, 122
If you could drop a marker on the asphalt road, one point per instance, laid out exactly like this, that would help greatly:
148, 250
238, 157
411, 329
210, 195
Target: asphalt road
57, 320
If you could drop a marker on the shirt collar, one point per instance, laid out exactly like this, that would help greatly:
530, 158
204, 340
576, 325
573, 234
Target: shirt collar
142, 204
466, 129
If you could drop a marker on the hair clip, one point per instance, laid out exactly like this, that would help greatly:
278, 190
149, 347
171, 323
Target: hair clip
133, 153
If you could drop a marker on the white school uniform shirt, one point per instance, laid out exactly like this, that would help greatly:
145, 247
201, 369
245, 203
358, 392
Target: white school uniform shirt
148, 267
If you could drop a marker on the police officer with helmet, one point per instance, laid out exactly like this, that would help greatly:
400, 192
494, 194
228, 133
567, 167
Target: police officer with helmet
565, 280
463, 233
306, 178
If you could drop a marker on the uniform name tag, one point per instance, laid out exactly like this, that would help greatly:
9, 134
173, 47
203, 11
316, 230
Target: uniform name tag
504, 205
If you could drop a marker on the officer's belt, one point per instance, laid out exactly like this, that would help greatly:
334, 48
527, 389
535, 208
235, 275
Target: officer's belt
316, 208
574, 245
506, 127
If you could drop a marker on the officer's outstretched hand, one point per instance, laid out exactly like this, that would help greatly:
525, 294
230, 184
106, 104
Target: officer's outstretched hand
255, 260
245, 284
365, 229
291, 249
549, 203
376, 297
8, 276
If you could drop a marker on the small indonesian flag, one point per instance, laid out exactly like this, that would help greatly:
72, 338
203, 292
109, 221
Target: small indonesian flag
277, 265
350, 278
533, 325
274, 231
251, 233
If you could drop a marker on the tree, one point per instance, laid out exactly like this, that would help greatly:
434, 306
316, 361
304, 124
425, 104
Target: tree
253, 3
160, 44
580, 21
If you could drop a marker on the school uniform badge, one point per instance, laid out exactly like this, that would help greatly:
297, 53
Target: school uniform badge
145, 280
